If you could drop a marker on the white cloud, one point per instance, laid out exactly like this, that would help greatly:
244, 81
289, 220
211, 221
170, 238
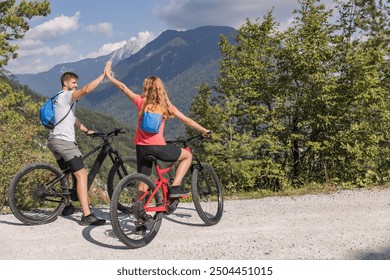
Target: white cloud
28, 43
34, 50
21, 66
46, 51
132, 45
54, 28
106, 49
143, 37
186, 14
104, 28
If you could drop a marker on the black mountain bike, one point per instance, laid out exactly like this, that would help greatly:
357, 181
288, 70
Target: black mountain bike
38, 192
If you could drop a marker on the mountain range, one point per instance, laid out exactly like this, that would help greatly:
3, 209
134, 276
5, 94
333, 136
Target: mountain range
184, 60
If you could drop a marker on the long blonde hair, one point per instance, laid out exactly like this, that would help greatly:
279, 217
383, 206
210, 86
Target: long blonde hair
156, 97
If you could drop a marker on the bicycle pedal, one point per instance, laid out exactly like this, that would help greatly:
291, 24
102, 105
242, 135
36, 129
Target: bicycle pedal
146, 217
172, 206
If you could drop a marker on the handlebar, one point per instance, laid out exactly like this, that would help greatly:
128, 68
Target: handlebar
185, 142
115, 132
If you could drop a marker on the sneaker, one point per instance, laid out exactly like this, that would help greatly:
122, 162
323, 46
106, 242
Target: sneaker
91, 220
68, 210
178, 191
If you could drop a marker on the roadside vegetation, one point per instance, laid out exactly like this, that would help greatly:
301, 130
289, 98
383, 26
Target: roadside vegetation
302, 109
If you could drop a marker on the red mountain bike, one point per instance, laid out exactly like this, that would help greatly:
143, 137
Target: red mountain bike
136, 215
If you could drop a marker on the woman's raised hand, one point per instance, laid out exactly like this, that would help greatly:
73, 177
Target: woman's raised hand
107, 68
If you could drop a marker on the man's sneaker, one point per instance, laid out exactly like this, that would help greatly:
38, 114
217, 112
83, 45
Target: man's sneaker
178, 191
68, 210
91, 220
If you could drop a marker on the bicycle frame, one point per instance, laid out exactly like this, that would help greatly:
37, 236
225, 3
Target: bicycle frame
105, 150
161, 182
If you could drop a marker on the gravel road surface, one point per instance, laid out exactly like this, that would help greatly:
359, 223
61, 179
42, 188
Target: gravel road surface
348, 225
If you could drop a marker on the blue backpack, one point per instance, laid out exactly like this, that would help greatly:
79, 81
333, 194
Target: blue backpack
47, 113
151, 121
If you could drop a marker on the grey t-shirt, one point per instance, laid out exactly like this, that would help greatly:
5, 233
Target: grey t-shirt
64, 130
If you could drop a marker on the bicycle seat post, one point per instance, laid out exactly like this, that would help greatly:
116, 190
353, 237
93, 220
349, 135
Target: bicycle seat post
161, 180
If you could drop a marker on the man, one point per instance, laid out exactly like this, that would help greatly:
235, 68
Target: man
62, 141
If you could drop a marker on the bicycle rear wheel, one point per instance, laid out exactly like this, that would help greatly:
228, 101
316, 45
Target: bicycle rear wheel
37, 194
127, 224
207, 194
118, 171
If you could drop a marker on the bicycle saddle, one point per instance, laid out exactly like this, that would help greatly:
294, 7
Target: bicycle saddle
150, 158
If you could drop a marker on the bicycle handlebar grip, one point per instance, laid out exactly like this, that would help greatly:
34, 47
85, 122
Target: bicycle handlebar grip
98, 134
118, 131
208, 134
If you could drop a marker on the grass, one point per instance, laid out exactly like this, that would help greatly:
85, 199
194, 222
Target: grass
291, 191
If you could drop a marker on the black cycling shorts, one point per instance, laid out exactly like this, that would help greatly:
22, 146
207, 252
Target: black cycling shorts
75, 164
168, 153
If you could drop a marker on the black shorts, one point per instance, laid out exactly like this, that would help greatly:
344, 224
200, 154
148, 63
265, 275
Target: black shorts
169, 153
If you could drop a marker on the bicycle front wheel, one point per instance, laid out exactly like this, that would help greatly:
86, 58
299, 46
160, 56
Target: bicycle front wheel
128, 222
207, 194
37, 194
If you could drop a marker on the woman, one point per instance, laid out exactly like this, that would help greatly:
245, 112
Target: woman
155, 98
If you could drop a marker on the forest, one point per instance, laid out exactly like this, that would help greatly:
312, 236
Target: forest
304, 106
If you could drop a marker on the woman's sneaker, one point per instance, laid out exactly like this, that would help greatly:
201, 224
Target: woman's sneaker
178, 191
91, 220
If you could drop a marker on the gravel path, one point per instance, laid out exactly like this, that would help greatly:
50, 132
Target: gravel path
349, 225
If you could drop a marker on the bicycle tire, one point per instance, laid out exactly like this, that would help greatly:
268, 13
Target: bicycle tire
29, 199
118, 171
125, 224
207, 194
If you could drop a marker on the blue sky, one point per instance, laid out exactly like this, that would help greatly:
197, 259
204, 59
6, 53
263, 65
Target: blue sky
78, 29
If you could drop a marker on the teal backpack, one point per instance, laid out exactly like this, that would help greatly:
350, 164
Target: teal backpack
47, 113
151, 121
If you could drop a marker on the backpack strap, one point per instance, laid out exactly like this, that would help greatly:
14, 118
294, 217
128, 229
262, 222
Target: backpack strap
66, 113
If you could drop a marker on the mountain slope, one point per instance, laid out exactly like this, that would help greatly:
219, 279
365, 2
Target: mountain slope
48, 82
184, 60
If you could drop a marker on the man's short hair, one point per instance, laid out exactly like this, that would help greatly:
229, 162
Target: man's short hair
67, 76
